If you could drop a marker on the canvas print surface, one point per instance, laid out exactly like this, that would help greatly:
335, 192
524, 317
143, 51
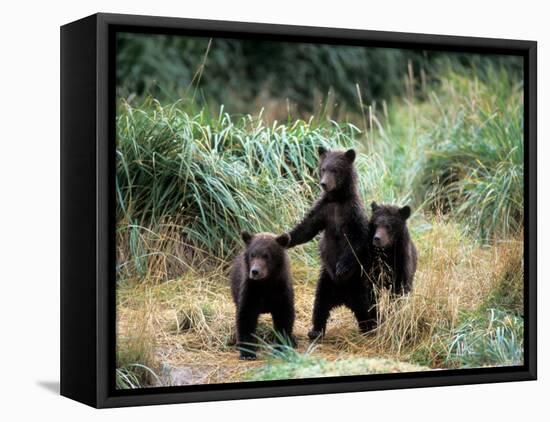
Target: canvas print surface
299, 210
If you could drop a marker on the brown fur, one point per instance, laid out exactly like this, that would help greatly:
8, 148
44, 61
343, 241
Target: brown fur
394, 255
340, 216
261, 283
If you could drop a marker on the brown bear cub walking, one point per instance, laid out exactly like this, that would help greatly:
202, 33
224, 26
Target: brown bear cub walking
261, 283
393, 252
340, 216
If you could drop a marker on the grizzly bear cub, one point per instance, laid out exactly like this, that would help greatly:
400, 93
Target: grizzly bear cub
261, 283
393, 252
340, 216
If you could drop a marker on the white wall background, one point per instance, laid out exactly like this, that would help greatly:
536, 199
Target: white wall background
29, 223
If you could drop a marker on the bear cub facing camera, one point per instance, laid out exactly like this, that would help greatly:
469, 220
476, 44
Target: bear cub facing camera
261, 283
394, 254
340, 217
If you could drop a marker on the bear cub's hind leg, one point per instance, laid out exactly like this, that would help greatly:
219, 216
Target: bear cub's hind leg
324, 302
247, 320
283, 322
364, 312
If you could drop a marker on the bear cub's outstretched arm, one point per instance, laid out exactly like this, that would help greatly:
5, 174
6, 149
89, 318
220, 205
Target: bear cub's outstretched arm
261, 283
310, 226
354, 242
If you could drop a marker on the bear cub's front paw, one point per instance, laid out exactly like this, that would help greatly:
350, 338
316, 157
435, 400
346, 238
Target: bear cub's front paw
314, 334
247, 356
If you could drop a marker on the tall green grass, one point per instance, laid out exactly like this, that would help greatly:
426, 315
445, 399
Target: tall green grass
475, 164
212, 176
195, 179
459, 151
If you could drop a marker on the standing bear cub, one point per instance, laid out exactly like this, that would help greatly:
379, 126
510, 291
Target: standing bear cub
393, 252
340, 216
261, 283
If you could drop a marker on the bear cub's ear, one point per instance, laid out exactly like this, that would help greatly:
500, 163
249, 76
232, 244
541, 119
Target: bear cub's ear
322, 151
246, 236
350, 155
374, 206
283, 240
405, 212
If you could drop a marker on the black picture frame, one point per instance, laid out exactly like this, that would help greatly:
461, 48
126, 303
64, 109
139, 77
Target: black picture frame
87, 210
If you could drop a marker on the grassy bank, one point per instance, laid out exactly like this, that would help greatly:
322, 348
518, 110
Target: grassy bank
447, 322
188, 182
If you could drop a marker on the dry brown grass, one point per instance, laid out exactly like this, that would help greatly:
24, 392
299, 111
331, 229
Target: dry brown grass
186, 325
159, 255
